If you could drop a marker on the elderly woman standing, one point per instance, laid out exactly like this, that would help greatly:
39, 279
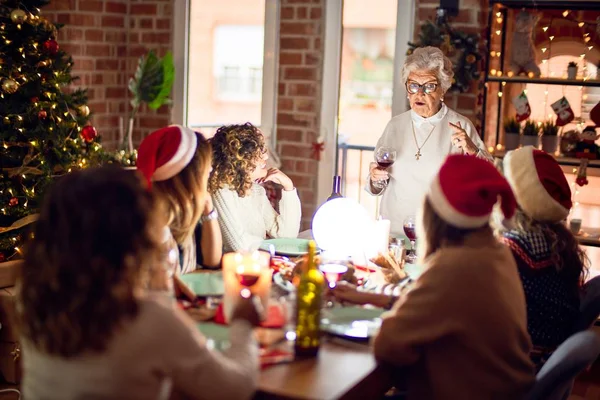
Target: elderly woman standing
422, 137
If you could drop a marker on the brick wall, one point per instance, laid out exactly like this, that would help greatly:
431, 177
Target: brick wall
299, 101
105, 40
472, 18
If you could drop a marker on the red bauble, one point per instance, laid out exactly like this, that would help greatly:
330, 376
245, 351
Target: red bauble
13, 201
42, 114
88, 133
51, 46
34, 99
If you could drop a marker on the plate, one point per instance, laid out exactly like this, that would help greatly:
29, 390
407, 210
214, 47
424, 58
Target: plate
357, 323
287, 246
205, 284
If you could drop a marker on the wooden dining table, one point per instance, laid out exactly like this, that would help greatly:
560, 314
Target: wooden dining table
341, 370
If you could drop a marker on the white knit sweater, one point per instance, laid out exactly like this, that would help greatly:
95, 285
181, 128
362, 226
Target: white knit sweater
246, 221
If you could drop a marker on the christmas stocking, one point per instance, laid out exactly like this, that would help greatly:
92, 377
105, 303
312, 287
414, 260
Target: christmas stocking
564, 112
595, 114
521, 104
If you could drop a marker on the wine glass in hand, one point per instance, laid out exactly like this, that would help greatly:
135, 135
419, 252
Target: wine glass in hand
409, 230
385, 157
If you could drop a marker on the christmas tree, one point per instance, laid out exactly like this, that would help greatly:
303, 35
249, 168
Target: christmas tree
44, 124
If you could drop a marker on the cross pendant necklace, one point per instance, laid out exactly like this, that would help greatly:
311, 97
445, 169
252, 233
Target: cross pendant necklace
418, 153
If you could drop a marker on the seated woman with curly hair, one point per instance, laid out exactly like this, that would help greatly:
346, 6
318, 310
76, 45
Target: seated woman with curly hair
88, 328
246, 215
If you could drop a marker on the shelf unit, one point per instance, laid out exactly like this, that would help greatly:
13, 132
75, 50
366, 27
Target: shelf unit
505, 5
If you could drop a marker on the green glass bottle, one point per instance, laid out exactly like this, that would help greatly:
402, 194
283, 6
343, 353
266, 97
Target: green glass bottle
308, 307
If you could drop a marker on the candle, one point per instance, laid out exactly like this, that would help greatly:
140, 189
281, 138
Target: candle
246, 271
380, 239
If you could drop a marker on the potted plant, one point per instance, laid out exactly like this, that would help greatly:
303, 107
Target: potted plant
549, 137
572, 70
152, 85
512, 134
531, 132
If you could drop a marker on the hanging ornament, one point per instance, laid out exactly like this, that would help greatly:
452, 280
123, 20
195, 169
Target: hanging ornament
587, 147
317, 148
43, 63
564, 112
13, 201
34, 99
84, 110
18, 16
42, 114
9, 86
89, 133
581, 179
471, 59
51, 46
521, 104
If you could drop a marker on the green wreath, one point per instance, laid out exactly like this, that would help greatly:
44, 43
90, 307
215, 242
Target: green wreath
460, 47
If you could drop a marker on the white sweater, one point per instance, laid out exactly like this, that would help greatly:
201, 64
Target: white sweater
410, 178
247, 221
159, 352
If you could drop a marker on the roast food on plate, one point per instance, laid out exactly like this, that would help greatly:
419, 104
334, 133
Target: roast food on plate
391, 268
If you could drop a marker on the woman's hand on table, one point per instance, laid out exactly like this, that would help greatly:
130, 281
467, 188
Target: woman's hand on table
246, 310
377, 174
275, 175
461, 140
347, 292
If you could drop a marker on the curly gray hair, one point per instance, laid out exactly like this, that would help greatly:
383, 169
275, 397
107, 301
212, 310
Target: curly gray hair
429, 59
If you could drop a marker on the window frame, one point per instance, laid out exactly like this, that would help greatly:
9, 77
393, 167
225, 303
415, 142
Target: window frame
181, 32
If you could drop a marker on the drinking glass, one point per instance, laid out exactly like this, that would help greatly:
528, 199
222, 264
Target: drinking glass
409, 231
384, 157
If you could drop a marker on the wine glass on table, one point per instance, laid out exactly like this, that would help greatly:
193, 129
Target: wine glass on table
384, 157
409, 231
249, 271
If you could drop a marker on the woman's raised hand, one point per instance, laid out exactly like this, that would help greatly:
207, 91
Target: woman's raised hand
461, 140
275, 175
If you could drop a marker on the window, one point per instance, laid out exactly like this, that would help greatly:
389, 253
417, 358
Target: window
227, 52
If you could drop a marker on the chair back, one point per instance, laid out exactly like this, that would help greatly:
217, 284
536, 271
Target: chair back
590, 305
555, 380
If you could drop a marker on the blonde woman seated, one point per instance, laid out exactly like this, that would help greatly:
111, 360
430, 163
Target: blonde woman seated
461, 331
88, 328
246, 215
176, 162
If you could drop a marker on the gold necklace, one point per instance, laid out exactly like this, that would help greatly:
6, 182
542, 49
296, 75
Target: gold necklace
418, 153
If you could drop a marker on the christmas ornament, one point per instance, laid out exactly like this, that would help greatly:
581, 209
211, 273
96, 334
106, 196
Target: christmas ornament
317, 148
568, 143
471, 59
42, 114
2, 257
13, 201
18, 16
10, 86
34, 99
581, 179
51, 46
43, 63
89, 133
522, 58
84, 110
564, 112
521, 104
587, 147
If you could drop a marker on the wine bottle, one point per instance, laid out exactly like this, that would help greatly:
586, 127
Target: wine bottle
308, 307
335, 192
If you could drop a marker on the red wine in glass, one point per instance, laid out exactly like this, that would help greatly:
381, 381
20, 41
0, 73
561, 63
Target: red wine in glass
410, 232
247, 279
333, 273
385, 163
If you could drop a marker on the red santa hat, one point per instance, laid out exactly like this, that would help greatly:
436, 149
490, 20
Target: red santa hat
466, 189
539, 184
166, 152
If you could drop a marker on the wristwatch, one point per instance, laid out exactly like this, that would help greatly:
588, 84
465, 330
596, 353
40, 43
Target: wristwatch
210, 216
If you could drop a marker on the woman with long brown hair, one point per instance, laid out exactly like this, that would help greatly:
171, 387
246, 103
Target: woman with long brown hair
461, 330
246, 215
176, 162
89, 330
551, 264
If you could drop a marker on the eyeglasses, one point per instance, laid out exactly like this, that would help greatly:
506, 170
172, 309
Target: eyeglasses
413, 87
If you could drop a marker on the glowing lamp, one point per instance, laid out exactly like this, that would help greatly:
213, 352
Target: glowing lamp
341, 226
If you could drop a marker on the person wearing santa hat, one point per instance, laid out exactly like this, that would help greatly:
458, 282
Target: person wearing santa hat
246, 214
550, 262
468, 306
176, 162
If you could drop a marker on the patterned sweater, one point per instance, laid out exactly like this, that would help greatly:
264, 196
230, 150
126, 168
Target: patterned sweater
552, 308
